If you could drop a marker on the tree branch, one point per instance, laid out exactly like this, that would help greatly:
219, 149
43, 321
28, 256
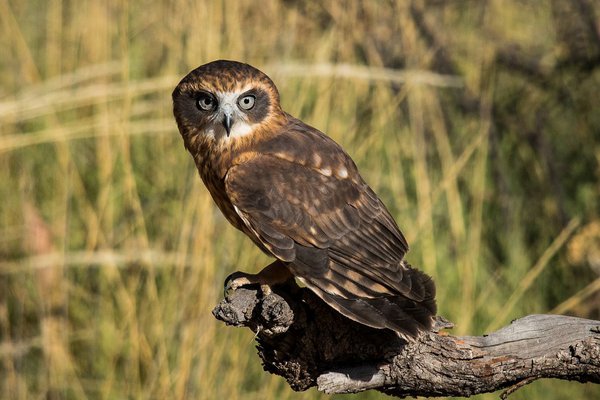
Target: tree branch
309, 344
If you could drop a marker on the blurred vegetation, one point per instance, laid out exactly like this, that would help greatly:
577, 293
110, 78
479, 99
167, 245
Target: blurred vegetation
477, 122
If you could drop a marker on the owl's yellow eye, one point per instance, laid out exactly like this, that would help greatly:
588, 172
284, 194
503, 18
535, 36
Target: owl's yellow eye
206, 102
246, 102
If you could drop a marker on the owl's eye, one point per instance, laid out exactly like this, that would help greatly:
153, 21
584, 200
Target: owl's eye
246, 102
206, 102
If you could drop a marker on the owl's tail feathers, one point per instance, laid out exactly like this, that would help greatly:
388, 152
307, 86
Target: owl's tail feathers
407, 314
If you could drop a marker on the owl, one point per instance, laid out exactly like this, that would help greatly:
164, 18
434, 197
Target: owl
300, 198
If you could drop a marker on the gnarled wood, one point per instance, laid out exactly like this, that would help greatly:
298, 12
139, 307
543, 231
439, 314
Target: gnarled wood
309, 344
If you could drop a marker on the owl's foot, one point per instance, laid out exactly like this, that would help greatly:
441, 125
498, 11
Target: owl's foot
273, 274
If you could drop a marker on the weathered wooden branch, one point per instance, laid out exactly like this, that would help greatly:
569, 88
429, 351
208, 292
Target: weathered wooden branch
309, 344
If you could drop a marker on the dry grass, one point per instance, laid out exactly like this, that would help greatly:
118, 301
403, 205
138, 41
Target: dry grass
112, 253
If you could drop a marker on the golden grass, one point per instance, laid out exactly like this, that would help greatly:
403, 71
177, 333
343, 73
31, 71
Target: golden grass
116, 304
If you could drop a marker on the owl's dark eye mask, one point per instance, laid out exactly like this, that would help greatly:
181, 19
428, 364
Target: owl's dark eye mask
260, 108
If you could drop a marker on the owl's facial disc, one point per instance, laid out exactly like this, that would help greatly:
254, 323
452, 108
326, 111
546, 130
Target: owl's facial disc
231, 115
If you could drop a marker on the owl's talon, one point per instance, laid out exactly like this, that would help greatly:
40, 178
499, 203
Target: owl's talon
239, 279
266, 290
235, 281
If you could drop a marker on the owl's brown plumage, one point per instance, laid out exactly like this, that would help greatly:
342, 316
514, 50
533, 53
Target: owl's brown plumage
300, 198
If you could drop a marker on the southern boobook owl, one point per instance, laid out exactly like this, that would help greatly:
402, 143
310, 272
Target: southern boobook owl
300, 198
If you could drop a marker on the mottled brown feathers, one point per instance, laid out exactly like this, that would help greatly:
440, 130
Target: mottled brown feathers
300, 198
226, 76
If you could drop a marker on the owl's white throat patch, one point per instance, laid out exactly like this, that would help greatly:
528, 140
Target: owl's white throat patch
239, 129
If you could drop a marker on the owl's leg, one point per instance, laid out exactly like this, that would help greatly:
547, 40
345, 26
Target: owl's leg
275, 273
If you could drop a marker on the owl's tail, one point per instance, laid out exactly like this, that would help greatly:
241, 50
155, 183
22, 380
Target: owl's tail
405, 313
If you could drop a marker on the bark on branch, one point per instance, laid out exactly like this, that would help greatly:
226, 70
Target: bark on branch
306, 342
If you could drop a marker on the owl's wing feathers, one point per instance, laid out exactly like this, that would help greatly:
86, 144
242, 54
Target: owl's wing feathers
337, 237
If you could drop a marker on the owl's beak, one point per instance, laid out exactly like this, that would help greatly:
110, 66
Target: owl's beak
227, 122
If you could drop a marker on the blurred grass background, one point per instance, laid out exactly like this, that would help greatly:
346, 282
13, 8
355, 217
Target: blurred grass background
477, 122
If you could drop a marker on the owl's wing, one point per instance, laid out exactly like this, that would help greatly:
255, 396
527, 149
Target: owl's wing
337, 237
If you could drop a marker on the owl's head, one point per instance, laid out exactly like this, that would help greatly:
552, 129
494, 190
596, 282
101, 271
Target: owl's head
224, 100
